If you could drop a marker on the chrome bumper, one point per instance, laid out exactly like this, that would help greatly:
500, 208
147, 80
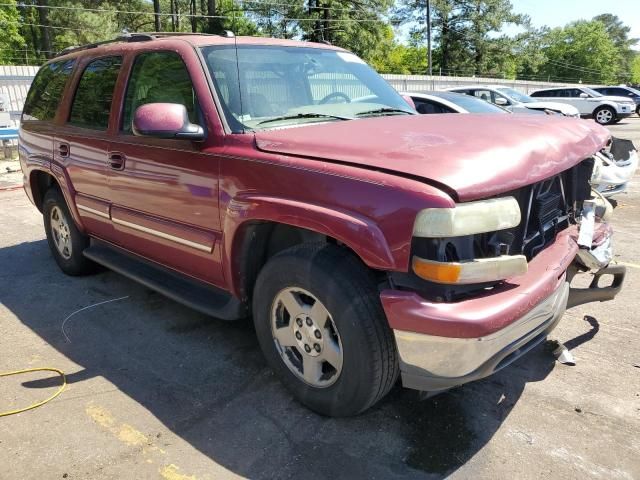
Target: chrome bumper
433, 363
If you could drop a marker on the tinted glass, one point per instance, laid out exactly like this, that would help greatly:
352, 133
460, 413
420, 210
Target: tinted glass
158, 77
92, 102
470, 104
46, 91
275, 86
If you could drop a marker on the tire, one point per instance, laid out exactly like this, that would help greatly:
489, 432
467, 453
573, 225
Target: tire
604, 115
356, 325
65, 240
638, 110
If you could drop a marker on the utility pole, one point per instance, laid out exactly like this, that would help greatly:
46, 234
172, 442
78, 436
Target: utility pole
156, 15
429, 37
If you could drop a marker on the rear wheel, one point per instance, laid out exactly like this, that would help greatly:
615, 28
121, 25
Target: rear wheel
638, 110
65, 240
321, 326
604, 115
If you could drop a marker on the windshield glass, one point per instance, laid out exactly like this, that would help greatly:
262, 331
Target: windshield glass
591, 92
273, 86
469, 103
515, 95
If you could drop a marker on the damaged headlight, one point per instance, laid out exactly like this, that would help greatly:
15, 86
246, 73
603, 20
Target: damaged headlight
468, 218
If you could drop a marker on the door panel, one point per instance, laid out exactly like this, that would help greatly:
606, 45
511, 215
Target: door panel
165, 191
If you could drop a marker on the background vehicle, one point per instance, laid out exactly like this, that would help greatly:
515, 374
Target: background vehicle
449, 102
621, 91
515, 101
289, 182
591, 104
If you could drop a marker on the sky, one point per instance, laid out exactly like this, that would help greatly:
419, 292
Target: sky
556, 13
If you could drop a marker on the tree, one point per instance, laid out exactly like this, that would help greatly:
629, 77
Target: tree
10, 38
581, 51
619, 34
635, 70
465, 32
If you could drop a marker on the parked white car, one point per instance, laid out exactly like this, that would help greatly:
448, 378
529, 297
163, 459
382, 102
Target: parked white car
614, 167
449, 102
591, 104
515, 101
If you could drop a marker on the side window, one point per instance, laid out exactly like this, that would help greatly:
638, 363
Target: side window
92, 102
158, 77
46, 91
573, 92
483, 95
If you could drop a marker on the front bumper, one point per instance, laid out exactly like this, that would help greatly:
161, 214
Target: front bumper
443, 345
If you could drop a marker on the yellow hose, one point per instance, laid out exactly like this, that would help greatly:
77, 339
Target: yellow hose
35, 405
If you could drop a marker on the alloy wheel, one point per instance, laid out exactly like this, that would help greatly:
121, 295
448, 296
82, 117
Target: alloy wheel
306, 337
61, 232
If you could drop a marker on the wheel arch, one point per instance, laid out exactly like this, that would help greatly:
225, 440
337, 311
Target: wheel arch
257, 228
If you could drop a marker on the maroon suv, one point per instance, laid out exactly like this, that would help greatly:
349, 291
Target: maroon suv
290, 182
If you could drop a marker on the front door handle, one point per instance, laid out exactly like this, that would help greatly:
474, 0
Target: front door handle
116, 160
63, 149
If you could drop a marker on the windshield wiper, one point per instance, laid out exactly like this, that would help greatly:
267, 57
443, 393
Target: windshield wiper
303, 115
382, 111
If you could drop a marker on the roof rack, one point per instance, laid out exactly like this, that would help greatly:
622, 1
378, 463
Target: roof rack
127, 37
140, 37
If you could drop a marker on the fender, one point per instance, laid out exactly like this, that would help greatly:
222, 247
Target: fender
60, 175
607, 103
356, 231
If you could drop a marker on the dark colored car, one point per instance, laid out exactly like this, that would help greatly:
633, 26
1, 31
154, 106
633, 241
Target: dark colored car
621, 91
289, 182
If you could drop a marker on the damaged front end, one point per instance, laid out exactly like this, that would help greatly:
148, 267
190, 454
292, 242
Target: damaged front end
614, 167
478, 299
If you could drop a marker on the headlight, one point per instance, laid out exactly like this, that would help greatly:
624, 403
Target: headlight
474, 271
468, 218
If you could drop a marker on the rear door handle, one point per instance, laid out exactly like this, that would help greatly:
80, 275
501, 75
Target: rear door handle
116, 160
63, 149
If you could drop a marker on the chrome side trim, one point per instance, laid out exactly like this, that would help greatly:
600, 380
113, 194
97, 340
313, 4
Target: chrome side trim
92, 210
432, 363
166, 236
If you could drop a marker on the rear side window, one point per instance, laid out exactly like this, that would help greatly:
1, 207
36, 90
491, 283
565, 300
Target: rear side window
92, 102
158, 77
46, 91
544, 93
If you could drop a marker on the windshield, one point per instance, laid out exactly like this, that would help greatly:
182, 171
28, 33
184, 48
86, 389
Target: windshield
515, 95
591, 92
469, 103
272, 86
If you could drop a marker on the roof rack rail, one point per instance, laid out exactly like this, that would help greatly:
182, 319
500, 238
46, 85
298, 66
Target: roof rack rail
125, 37
140, 37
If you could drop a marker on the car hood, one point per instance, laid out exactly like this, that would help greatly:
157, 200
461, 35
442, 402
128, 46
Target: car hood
474, 156
563, 108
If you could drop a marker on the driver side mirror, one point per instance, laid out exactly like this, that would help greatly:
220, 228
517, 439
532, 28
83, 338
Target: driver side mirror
584, 95
502, 102
165, 120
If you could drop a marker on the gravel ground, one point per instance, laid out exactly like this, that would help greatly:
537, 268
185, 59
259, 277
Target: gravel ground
156, 390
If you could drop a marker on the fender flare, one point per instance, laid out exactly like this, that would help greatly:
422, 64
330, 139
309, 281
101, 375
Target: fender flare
360, 233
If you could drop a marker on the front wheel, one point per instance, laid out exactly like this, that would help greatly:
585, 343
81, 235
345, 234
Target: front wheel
321, 327
604, 115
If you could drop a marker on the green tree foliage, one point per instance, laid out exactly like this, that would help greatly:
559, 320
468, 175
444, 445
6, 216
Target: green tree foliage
11, 42
635, 70
619, 33
581, 51
465, 33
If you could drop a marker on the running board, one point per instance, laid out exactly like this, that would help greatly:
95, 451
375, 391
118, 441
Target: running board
201, 297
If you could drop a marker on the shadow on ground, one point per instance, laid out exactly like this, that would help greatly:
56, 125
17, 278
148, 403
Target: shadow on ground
206, 381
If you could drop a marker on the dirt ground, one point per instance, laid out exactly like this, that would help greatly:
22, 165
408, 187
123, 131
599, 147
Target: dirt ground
156, 390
